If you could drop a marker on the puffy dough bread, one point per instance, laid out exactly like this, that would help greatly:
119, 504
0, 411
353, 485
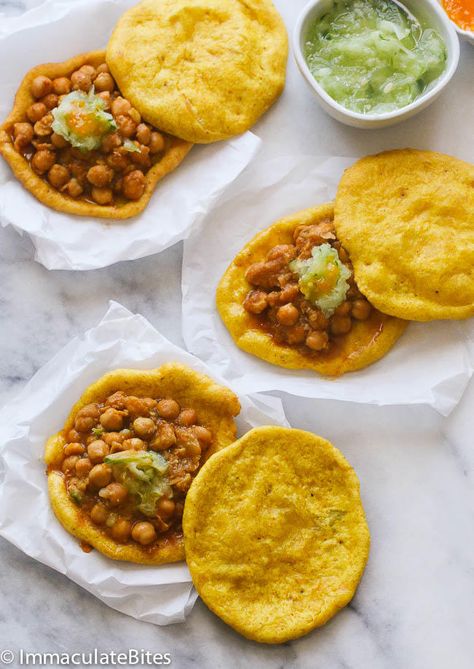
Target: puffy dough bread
202, 70
406, 218
275, 534
216, 406
367, 342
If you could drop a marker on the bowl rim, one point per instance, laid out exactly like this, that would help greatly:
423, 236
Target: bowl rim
452, 47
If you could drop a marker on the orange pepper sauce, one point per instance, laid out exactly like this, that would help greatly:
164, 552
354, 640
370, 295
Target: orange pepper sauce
461, 12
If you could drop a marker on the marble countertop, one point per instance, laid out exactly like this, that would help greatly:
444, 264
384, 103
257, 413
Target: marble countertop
414, 608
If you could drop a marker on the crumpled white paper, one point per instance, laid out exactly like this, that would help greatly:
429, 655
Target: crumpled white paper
160, 595
54, 32
431, 364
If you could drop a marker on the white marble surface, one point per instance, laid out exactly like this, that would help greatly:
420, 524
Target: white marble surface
414, 608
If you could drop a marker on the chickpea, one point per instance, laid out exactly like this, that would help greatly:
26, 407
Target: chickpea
111, 420
193, 448
165, 437
74, 188
141, 157
100, 476
255, 301
97, 450
69, 463
73, 436
135, 115
343, 309
117, 161
165, 508
144, 427
23, 133
62, 86
134, 185
143, 134
42, 127
105, 95
83, 467
74, 448
120, 106
134, 444
58, 175
317, 340
36, 111
99, 514
361, 310
89, 70
50, 101
318, 320
103, 67
126, 125
41, 86
111, 142
187, 417
296, 335
168, 409
100, 175
58, 141
102, 196
341, 324
86, 417
121, 530
202, 434
288, 314
157, 142
144, 533
117, 400
111, 437
104, 82
114, 493
81, 81
42, 161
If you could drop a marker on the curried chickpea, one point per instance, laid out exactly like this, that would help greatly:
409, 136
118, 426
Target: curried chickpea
114, 493
99, 175
121, 530
120, 106
69, 463
111, 142
83, 467
341, 324
165, 437
111, 420
62, 86
202, 434
361, 310
317, 341
36, 111
105, 95
58, 141
102, 195
288, 314
50, 101
165, 508
143, 134
58, 175
144, 427
99, 514
134, 185
81, 80
144, 533
126, 125
117, 160
97, 450
100, 476
255, 301
23, 133
343, 309
41, 86
104, 82
187, 417
103, 67
43, 160
74, 188
134, 444
141, 157
168, 409
135, 115
86, 417
73, 436
157, 142
74, 448
89, 70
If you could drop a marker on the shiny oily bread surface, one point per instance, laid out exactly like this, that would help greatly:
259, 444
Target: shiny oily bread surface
216, 407
275, 533
406, 218
202, 70
40, 188
363, 345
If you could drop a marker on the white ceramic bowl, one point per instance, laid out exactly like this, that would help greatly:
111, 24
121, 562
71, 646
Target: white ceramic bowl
427, 10
467, 35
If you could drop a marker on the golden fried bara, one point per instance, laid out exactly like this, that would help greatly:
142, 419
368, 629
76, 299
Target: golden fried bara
407, 219
275, 534
202, 70
216, 406
367, 342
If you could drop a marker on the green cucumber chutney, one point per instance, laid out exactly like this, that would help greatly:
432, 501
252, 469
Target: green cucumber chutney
373, 56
